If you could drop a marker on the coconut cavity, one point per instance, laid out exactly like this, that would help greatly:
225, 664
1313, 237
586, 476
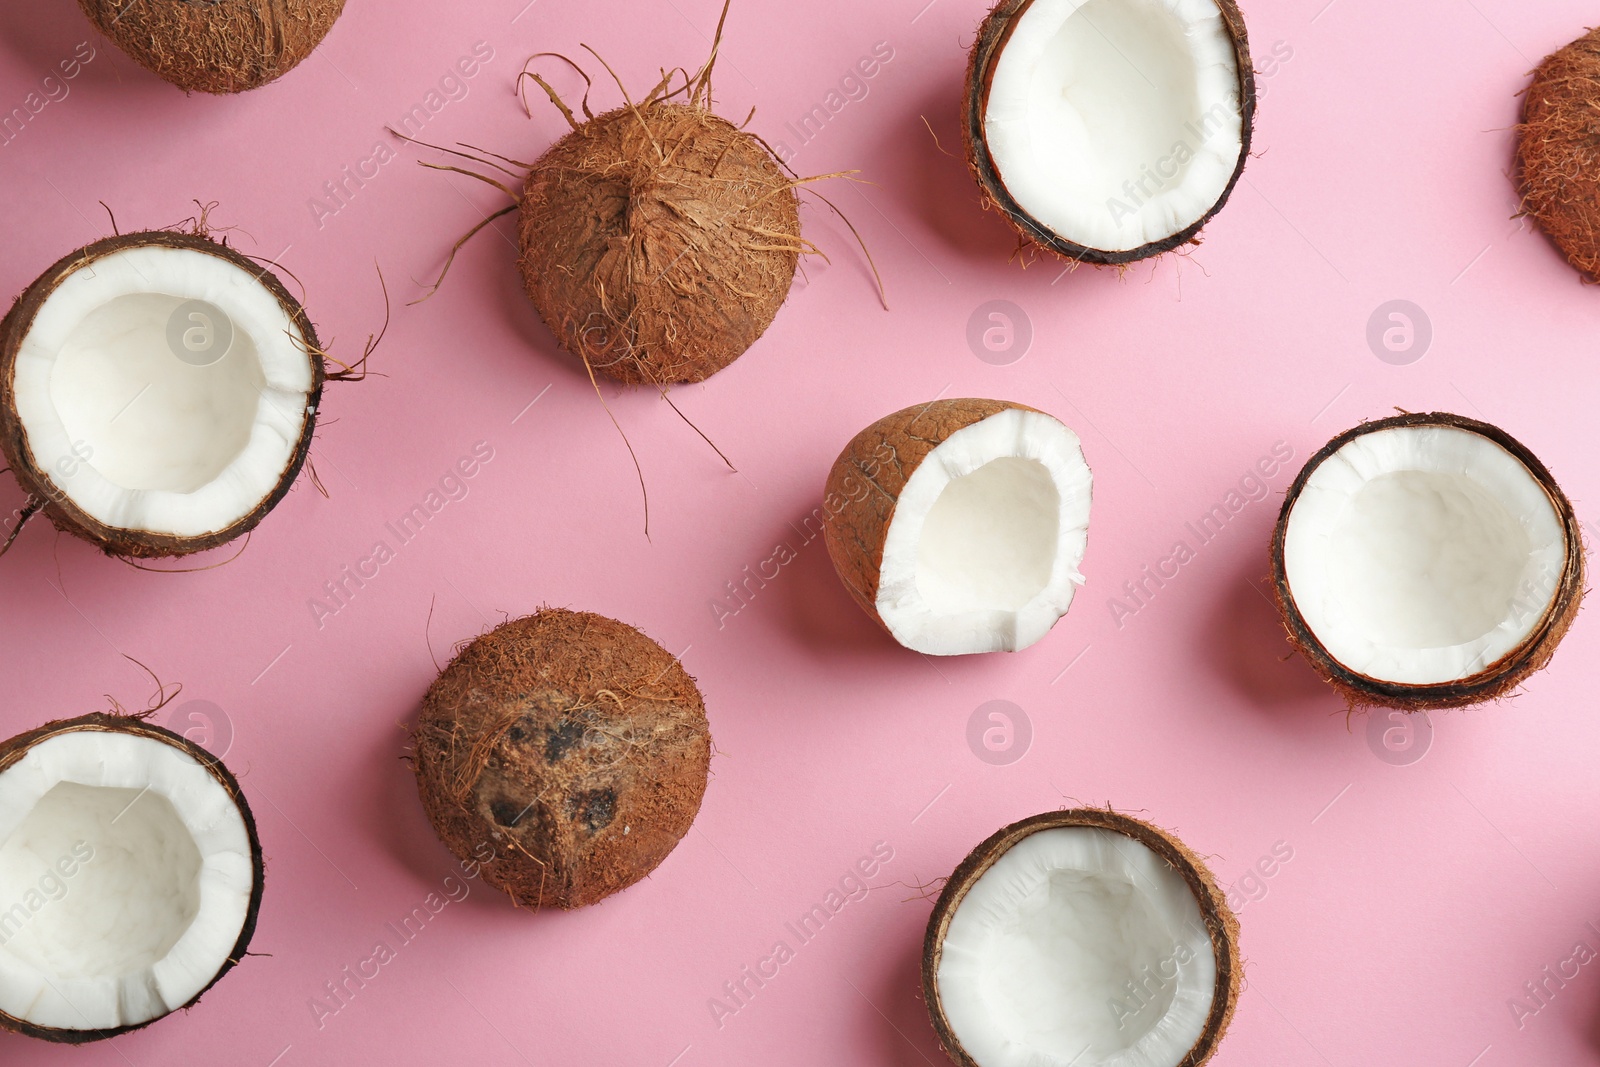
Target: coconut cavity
1109, 130
1558, 151
658, 241
159, 392
975, 551
1081, 938
989, 541
123, 921
1427, 561
569, 746
130, 877
215, 46
154, 421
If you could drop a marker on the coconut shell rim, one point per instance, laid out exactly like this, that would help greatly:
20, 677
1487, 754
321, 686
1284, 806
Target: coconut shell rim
15, 748
61, 509
1498, 678
993, 35
1221, 923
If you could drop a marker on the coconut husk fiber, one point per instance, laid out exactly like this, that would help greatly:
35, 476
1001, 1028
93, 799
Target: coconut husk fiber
572, 746
215, 46
658, 241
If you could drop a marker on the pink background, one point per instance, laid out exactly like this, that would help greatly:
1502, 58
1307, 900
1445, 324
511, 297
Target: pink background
1419, 898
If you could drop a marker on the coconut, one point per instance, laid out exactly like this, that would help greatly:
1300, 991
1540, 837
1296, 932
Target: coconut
658, 240
1558, 151
569, 745
1426, 561
215, 46
960, 525
158, 393
1081, 938
1112, 130
130, 877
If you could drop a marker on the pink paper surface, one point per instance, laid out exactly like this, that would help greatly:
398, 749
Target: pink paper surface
1419, 897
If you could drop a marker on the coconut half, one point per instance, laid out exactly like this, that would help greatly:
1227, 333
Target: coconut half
1426, 561
215, 46
569, 746
960, 525
158, 393
1081, 939
1558, 151
130, 877
1107, 131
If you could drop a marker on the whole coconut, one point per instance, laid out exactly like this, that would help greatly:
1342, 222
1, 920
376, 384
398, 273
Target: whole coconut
573, 746
1558, 151
658, 240
215, 46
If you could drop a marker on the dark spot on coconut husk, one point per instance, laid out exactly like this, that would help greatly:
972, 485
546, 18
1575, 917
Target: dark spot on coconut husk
215, 46
573, 746
507, 812
1558, 151
560, 738
595, 808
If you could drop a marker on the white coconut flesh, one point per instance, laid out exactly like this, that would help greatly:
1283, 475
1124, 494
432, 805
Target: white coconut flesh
1116, 123
983, 550
125, 880
1078, 946
175, 443
1422, 555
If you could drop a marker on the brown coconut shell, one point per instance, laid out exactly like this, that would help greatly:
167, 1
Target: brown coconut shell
854, 529
573, 746
993, 36
1221, 924
658, 241
215, 46
1496, 680
17, 747
1558, 151
35, 481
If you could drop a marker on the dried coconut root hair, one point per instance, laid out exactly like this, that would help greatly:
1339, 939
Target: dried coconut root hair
199, 225
693, 91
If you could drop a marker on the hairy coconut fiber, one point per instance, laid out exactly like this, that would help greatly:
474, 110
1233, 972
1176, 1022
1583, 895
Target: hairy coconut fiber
570, 744
993, 35
102, 722
215, 46
1496, 680
42, 493
658, 241
1558, 151
1221, 924
883, 456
